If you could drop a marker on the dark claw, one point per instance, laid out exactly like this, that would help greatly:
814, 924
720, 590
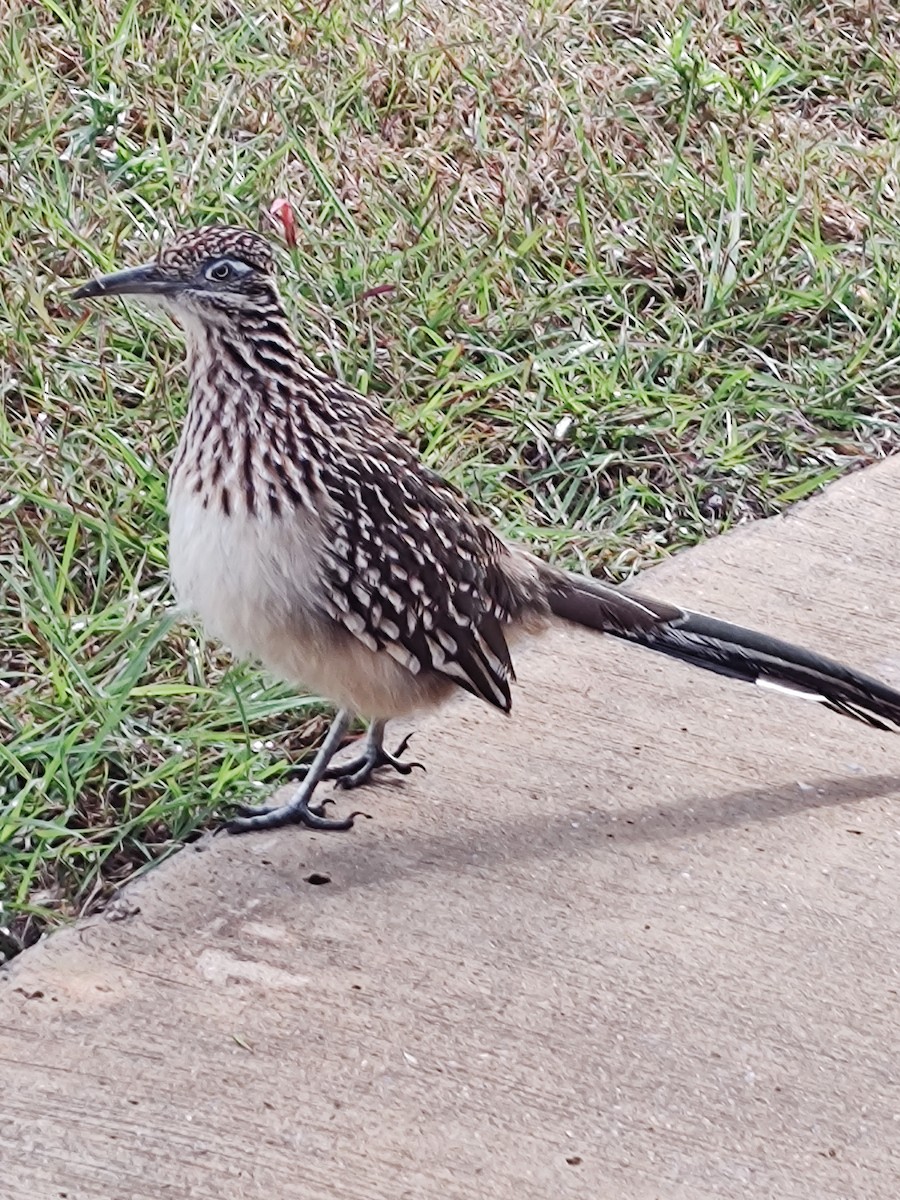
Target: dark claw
319, 809
405, 768
404, 745
364, 774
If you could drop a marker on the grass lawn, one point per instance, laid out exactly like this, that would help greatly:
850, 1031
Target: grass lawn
627, 275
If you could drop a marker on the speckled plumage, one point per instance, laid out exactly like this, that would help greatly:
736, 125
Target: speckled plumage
403, 564
305, 531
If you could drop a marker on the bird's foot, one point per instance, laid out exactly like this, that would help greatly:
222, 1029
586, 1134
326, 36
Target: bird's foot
301, 812
359, 770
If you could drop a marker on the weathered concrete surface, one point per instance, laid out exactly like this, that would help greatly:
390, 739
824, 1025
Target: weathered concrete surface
639, 942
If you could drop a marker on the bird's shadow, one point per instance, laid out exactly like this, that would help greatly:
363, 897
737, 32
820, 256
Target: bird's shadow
575, 833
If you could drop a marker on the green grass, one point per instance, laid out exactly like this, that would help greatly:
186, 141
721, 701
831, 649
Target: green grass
628, 276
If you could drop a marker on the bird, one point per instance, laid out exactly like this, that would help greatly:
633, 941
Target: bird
306, 532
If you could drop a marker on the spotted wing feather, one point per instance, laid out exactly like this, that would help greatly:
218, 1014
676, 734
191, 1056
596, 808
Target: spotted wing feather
413, 573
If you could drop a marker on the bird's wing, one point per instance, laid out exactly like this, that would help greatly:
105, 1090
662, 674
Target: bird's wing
413, 573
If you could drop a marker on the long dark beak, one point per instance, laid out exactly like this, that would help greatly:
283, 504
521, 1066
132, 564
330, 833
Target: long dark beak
147, 280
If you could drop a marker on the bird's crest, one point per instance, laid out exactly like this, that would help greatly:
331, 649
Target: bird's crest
196, 246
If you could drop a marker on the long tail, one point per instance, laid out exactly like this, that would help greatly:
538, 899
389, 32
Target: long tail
726, 649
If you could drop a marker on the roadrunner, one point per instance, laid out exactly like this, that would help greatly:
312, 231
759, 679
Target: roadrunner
306, 533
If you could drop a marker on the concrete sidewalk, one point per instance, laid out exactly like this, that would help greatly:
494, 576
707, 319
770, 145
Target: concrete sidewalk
640, 942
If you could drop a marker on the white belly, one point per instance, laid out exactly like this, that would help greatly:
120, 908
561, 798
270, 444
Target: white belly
248, 580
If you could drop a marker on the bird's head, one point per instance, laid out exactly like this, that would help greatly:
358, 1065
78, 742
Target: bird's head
214, 275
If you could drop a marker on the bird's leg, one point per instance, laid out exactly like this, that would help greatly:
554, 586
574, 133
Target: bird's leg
359, 770
298, 810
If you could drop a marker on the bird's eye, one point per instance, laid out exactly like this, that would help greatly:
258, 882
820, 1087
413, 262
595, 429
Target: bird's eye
220, 270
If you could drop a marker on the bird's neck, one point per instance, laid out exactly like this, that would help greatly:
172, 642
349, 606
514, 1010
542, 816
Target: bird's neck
256, 411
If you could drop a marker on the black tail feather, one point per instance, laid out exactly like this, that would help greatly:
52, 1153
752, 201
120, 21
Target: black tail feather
744, 654
729, 650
